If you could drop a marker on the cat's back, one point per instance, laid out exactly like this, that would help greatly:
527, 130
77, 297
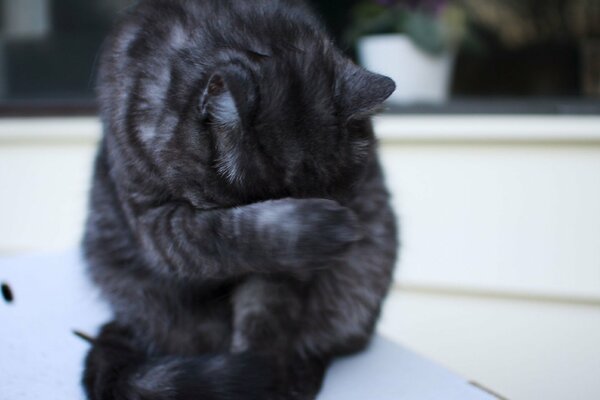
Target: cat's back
223, 22
162, 45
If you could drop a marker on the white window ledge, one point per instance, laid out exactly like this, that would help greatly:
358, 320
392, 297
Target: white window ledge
390, 128
505, 128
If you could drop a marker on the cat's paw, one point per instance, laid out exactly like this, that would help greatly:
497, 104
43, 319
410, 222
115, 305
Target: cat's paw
321, 229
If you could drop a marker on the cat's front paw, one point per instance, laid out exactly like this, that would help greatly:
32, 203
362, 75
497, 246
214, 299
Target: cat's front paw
321, 230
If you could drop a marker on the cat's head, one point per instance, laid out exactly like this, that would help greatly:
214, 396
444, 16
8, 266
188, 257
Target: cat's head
246, 119
284, 129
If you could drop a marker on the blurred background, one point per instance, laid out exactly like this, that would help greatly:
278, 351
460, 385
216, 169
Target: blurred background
491, 146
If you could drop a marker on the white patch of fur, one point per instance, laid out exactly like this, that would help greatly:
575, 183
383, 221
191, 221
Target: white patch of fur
157, 380
165, 129
225, 111
154, 92
178, 37
147, 133
274, 212
248, 301
228, 166
239, 342
282, 216
126, 37
226, 118
246, 296
360, 150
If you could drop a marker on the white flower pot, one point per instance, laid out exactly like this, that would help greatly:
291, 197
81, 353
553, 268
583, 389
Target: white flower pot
420, 77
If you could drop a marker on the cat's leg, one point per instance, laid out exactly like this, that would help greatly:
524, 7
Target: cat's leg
280, 236
266, 314
267, 318
344, 301
304, 378
109, 362
116, 369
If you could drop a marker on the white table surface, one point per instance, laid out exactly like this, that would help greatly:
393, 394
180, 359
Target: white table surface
40, 358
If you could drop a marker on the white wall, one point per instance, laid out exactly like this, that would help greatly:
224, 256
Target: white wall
45, 168
501, 236
523, 350
505, 217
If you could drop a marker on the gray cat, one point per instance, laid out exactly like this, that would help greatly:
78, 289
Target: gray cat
239, 225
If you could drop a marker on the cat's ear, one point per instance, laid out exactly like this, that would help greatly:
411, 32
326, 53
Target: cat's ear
229, 97
362, 92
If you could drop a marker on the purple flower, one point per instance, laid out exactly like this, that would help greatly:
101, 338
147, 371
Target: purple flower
435, 6
386, 3
429, 6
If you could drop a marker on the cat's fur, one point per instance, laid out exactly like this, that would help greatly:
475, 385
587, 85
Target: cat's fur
239, 225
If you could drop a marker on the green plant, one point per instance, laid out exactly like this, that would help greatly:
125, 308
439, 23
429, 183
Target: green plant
433, 25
